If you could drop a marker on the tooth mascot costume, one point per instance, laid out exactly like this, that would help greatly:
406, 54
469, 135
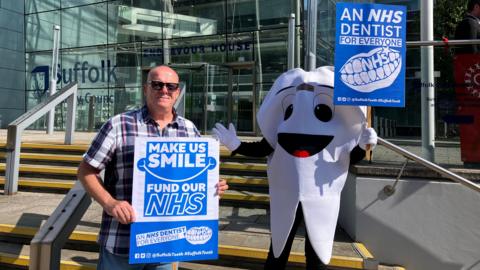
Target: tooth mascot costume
310, 144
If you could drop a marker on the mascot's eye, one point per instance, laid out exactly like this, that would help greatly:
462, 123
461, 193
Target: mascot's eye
288, 112
323, 112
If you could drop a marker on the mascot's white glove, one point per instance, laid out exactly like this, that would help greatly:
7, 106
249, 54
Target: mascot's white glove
227, 137
368, 137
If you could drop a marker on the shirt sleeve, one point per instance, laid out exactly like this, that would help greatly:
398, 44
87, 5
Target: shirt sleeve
103, 147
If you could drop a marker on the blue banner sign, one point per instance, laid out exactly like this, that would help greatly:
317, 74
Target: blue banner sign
370, 55
175, 201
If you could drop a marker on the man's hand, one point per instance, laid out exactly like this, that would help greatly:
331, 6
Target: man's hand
221, 187
368, 137
121, 211
227, 137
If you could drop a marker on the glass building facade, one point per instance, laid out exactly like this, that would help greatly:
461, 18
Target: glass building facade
227, 53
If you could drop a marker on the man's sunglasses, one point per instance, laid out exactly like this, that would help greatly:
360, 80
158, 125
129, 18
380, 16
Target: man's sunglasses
158, 85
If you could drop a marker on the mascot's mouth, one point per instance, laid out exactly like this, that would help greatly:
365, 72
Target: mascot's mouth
303, 145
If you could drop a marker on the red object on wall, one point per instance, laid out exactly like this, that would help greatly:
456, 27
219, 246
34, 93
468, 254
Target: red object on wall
467, 78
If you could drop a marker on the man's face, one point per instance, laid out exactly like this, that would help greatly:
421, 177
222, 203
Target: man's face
159, 90
476, 10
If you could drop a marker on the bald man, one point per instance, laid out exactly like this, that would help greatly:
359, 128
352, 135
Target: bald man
112, 150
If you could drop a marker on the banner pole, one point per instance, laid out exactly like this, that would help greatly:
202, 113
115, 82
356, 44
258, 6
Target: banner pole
368, 150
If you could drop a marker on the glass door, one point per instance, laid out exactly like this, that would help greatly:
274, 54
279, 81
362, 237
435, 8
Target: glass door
217, 97
243, 97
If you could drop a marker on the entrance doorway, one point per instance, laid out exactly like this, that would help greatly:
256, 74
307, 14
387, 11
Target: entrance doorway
219, 93
231, 97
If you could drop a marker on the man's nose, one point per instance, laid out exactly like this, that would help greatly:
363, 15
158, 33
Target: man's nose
164, 89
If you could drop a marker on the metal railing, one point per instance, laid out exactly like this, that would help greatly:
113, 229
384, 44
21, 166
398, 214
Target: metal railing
16, 128
439, 43
46, 246
432, 166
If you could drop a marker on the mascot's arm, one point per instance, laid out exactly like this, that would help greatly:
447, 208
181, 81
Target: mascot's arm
356, 155
368, 137
254, 149
228, 137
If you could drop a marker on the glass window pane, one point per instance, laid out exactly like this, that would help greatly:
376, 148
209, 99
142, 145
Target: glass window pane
194, 18
90, 67
130, 21
248, 15
240, 47
84, 26
270, 54
152, 53
211, 49
32, 6
38, 73
39, 30
126, 99
76, 3
93, 108
126, 62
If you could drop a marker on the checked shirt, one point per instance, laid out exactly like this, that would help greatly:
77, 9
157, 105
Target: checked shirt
113, 150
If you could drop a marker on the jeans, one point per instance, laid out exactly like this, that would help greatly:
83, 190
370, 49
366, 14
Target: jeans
109, 261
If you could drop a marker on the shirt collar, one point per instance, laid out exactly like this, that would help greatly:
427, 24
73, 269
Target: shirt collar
148, 119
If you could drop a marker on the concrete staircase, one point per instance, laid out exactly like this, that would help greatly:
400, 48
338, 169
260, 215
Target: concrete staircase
48, 171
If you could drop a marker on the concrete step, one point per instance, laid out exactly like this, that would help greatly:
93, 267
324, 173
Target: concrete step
80, 149
230, 168
84, 242
46, 158
46, 183
17, 256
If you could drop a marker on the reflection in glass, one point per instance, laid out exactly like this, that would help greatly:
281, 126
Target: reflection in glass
39, 30
32, 6
210, 49
37, 72
90, 67
240, 47
126, 59
130, 21
84, 26
250, 15
242, 87
271, 54
217, 107
199, 18
93, 108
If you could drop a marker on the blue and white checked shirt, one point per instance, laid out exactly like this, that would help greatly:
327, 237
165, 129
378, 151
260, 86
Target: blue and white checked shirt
113, 150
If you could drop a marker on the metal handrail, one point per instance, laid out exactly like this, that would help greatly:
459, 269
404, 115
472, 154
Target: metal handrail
16, 128
437, 43
46, 245
434, 167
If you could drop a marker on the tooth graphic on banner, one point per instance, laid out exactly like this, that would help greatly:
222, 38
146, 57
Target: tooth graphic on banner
199, 235
367, 72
